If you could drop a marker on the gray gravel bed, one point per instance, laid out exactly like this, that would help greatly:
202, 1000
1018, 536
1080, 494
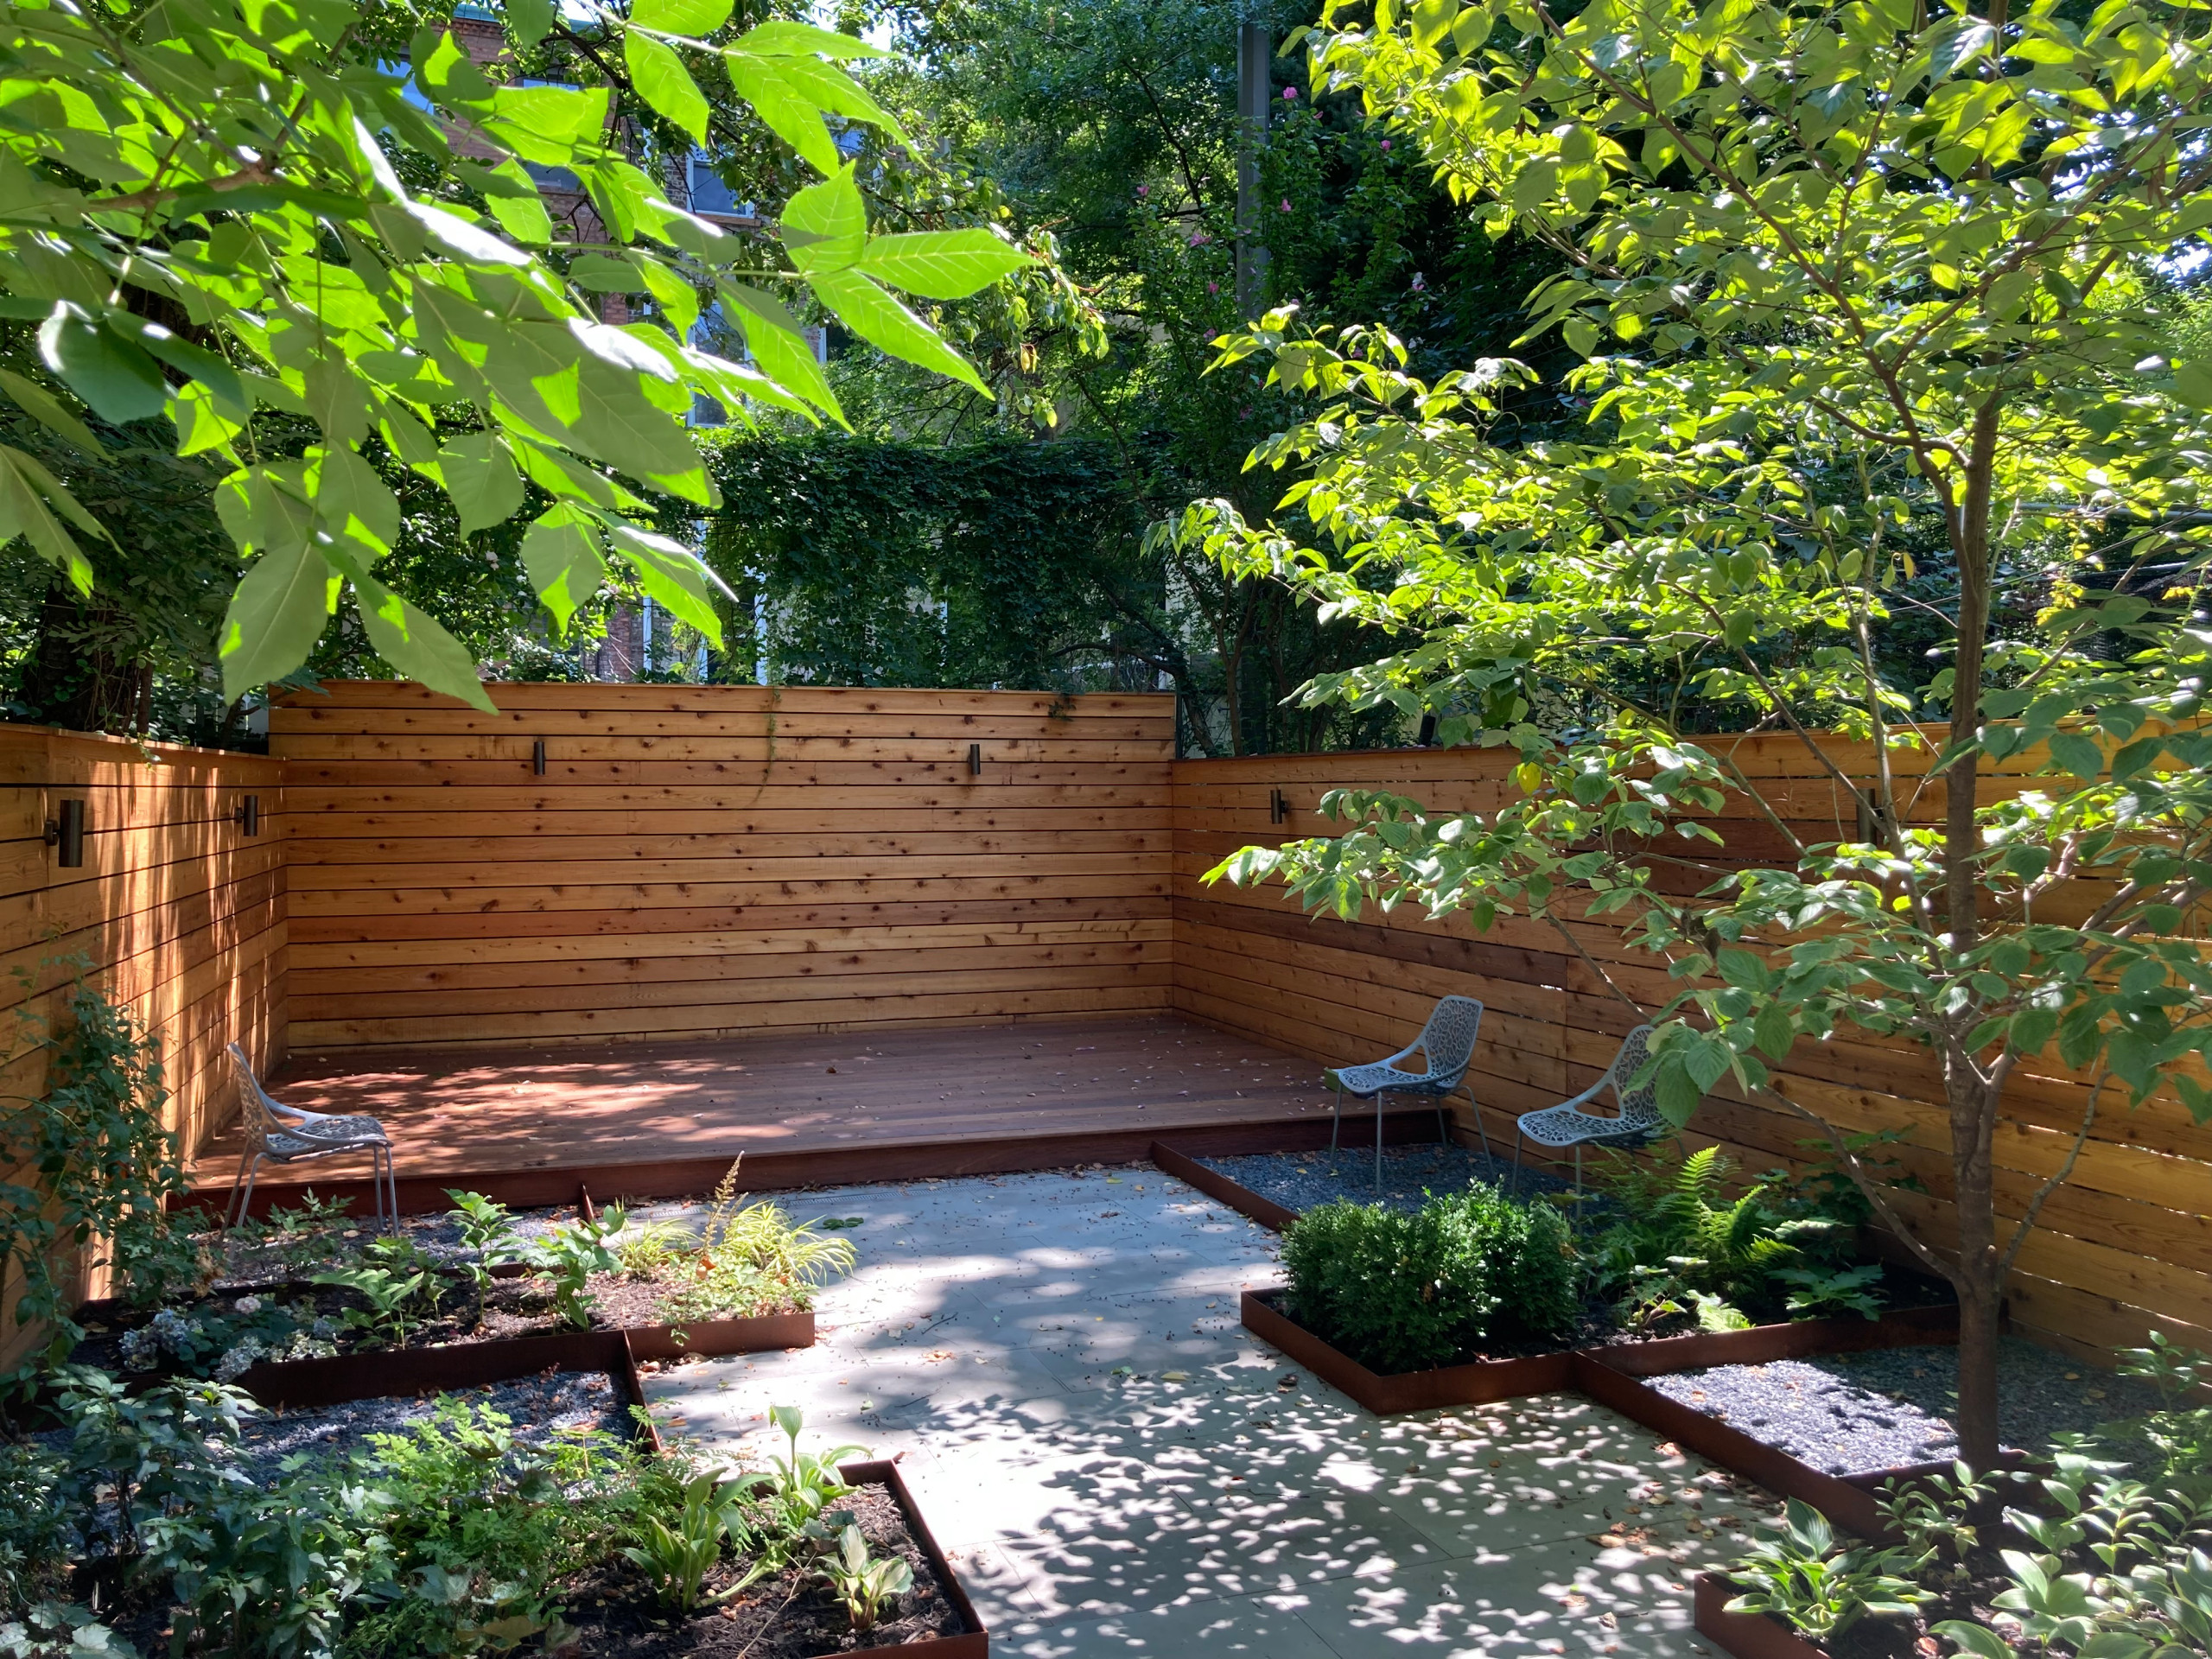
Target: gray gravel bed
537, 1407
1850, 1414
1303, 1181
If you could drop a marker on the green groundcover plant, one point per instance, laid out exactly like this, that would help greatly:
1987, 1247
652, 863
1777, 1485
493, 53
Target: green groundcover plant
1892, 447
1402, 1290
225, 213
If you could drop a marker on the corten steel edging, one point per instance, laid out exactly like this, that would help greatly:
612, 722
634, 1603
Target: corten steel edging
1746, 1635
1477, 1384
1218, 1187
717, 1338
1846, 1504
297, 1383
769, 1171
1611, 1377
974, 1642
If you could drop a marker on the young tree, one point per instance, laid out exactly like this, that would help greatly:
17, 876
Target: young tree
1875, 304
216, 208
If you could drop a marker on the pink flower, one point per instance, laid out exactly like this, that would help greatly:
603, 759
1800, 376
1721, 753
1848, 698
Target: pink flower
1286, 204
1386, 144
1290, 94
1144, 189
1420, 283
1213, 288
1199, 238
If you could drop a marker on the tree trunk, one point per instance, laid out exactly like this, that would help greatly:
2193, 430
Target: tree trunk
82, 673
1979, 1285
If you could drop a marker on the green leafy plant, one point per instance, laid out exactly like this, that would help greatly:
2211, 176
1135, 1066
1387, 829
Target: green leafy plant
571, 1254
487, 1233
1934, 1518
98, 1167
1810, 1581
801, 1485
1676, 1239
1400, 1290
392, 1291
679, 1552
865, 1584
1821, 1292
60, 1631
751, 1259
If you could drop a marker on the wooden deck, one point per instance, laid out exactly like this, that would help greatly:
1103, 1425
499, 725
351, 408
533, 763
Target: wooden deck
660, 1121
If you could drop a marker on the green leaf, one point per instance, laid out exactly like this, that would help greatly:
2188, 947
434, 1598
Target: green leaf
940, 264
780, 346
275, 618
120, 382
1977, 1639
44, 407
825, 225
694, 18
2078, 755
531, 20
672, 574
547, 124
884, 323
778, 38
661, 79
1774, 1031
479, 475
27, 510
790, 115
2193, 385
417, 645
561, 552
1676, 1096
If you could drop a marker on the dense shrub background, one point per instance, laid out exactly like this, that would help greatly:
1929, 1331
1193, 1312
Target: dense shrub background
1401, 1291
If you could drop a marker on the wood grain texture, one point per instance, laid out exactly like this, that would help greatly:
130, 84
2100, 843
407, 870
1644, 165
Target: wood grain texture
2125, 1246
176, 912
703, 863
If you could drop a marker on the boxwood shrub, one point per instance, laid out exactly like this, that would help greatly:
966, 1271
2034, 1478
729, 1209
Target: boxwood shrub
1404, 1291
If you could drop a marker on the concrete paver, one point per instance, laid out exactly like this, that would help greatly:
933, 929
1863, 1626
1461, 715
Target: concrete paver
1116, 1467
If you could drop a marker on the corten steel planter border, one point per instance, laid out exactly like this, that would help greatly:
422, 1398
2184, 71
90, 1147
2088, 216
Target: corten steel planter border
974, 1642
1217, 1186
1612, 1377
294, 1383
1746, 1635
780, 1172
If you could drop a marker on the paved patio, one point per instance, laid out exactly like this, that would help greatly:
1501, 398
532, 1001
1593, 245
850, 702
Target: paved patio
1116, 1468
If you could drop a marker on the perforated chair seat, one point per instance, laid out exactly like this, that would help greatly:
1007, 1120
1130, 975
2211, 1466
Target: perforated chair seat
275, 1133
1566, 1125
1447, 1045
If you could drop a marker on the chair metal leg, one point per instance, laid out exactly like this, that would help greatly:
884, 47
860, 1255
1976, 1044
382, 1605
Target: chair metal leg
245, 1198
1381, 1095
1516, 1177
1489, 1158
238, 1181
1337, 1118
392, 1187
1578, 1169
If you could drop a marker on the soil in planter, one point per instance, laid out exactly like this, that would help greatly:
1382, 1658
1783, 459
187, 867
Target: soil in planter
1852, 1414
513, 1307
1885, 1637
793, 1616
556, 1405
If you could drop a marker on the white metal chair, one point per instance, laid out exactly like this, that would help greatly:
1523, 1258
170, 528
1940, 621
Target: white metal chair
286, 1134
1448, 1042
1567, 1125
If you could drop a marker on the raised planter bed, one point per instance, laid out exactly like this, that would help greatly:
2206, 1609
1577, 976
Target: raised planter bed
1611, 1375
1747, 1636
1217, 1186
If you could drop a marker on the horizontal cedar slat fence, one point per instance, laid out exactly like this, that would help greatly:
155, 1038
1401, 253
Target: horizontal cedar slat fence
2126, 1242
698, 862
177, 910
703, 862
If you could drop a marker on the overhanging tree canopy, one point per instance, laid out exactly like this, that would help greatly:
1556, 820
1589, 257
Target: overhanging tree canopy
213, 208
1849, 281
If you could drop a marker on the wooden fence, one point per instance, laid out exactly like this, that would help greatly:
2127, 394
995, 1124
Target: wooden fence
175, 910
2128, 1238
696, 862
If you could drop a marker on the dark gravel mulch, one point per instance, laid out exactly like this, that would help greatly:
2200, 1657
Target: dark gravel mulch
1850, 1414
1304, 1181
793, 1616
539, 1408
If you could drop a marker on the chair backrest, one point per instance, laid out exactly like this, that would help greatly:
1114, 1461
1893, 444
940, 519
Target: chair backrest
1639, 1108
257, 1113
1448, 1039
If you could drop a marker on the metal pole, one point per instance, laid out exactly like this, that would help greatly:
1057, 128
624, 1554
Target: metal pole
1254, 50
